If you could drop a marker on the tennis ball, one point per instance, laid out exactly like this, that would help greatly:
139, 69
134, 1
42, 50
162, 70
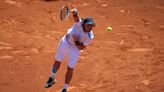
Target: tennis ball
109, 28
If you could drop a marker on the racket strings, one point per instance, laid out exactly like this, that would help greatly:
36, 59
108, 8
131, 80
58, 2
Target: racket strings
64, 13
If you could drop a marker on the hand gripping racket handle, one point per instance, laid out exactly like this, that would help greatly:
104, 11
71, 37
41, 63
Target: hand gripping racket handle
65, 12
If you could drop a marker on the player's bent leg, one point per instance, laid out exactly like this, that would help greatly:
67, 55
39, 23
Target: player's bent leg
51, 80
73, 57
68, 75
68, 78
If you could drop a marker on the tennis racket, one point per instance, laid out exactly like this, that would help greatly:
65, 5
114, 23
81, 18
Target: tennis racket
64, 13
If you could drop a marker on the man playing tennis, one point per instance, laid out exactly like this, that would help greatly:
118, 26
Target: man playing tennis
77, 38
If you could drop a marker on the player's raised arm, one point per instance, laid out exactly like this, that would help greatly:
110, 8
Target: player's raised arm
75, 15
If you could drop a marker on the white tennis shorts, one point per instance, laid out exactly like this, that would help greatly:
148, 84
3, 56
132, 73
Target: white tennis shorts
63, 50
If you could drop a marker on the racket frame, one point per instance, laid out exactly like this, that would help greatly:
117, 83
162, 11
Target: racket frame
68, 12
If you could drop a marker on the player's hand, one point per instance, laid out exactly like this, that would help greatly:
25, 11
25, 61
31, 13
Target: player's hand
75, 15
74, 11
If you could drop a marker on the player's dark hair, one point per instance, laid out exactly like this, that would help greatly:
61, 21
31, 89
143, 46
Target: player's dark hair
86, 20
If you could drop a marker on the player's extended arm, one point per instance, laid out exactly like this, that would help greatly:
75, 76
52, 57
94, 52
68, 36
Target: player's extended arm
75, 15
79, 45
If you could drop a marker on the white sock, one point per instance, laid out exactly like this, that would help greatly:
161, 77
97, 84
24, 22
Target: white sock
66, 86
52, 75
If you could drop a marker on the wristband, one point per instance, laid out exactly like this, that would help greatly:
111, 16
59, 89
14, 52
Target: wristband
77, 43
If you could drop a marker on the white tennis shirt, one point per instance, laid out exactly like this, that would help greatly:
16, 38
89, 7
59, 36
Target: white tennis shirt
67, 47
77, 30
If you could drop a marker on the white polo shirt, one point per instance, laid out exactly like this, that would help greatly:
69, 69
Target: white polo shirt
67, 47
77, 30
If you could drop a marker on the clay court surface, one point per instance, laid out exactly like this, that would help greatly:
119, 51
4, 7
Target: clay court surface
130, 58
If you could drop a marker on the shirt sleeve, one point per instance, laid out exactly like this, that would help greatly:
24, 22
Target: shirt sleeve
90, 37
86, 43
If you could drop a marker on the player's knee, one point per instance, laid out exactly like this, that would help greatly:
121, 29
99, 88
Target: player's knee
70, 69
57, 62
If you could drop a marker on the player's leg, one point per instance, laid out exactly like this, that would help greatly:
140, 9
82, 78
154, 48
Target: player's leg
73, 58
68, 78
60, 54
55, 68
51, 80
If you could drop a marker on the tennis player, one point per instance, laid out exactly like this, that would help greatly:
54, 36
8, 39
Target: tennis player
77, 38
